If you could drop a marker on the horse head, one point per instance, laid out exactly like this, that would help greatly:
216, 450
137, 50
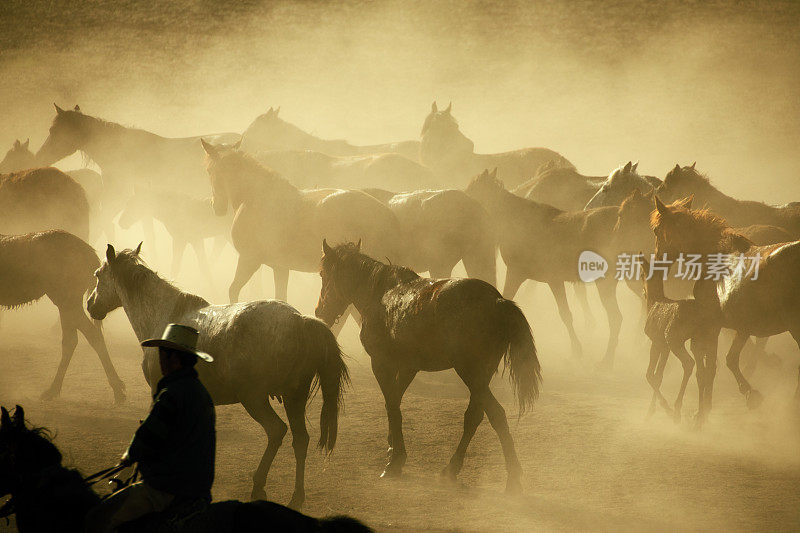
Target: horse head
19, 157
441, 138
336, 283
680, 182
485, 187
221, 163
266, 131
618, 185
679, 228
68, 133
105, 297
23, 451
632, 229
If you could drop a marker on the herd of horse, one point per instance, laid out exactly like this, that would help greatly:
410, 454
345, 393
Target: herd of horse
391, 211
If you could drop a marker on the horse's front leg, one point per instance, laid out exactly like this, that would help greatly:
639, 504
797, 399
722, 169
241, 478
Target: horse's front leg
295, 406
69, 340
386, 373
608, 296
258, 407
752, 396
281, 277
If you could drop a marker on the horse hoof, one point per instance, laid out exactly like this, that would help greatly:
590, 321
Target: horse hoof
605, 365
697, 421
50, 394
448, 473
754, 399
513, 487
296, 503
258, 494
120, 397
391, 471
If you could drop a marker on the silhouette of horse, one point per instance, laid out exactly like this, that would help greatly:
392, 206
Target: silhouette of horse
450, 154
681, 182
442, 228
412, 323
540, 242
60, 266
19, 157
46, 496
559, 186
315, 169
280, 226
188, 220
270, 132
619, 185
762, 305
40, 199
260, 349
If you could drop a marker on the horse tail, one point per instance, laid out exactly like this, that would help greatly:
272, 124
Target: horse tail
332, 375
520, 358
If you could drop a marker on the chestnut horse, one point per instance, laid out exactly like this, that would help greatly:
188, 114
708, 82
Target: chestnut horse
411, 323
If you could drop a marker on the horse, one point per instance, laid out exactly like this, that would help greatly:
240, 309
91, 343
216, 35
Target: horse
305, 168
441, 228
270, 132
40, 199
759, 305
19, 157
412, 324
261, 349
60, 266
46, 496
188, 220
280, 226
681, 182
669, 324
619, 185
543, 243
561, 187
450, 154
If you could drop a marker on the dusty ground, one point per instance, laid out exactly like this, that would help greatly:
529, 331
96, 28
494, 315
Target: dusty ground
591, 458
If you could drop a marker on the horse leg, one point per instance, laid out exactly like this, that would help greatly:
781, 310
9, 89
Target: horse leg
481, 263
199, 248
218, 244
69, 340
94, 335
709, 374
514, 280
386, 374
178, 248
608, 296
404, 378
752, 396
580, 293
498, 420
566, 315
295, 406
473, 417
245, 268
796, 335
281, 277
688, 366
658, 376
261, 411
150, 236
658, 352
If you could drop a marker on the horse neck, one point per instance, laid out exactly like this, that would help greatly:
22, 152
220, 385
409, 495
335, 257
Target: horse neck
149, 305
58, 494
654, 290
265, 186
373, 282
104, 140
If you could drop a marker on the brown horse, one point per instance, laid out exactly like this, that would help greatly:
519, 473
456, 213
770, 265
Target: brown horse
270, 132
60, 266
305, 168
40, 199
759, 305
542, 243
681, 182
442, 228
450, 154
280, 226
411, 324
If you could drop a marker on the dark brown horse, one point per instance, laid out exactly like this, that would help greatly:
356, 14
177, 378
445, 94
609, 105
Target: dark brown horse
60, 266
758, 304
686, 181
270, 132
442, 228
411, 323
451, 155
46, 496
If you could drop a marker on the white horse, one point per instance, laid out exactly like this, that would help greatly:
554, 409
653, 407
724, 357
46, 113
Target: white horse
260, 349
619, 185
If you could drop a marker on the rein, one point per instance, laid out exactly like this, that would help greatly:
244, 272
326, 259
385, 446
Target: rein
104, 474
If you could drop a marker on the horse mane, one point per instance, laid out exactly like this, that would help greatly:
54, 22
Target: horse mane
687, 174
379, 276
707, 222
245, 164
130, 271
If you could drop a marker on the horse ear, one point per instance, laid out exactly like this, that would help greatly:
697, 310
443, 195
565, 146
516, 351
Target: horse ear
27, 143
237, 144
210, 149
662, 209
635, 166
111, 254
627, 167
694, 163
17, 144
677, 167
19, 417
138, 248
449, 108
58, 109
434, 108
494, 173
651, 193
277, 110
358, 245
325, 248
485, 173
5, 419
77, 108
686, 202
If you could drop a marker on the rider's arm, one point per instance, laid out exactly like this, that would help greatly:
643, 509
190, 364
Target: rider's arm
152, 437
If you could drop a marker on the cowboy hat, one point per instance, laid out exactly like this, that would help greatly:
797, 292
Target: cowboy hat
181, 338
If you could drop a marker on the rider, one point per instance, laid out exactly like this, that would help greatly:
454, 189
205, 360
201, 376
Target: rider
174, 446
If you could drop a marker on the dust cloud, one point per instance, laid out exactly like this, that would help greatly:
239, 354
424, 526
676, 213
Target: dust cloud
600, 82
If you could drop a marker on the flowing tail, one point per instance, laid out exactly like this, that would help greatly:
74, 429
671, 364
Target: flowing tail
521, 359
332, 376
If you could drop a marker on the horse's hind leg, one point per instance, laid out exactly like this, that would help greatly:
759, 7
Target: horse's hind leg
386, 374
295, 406
199, 248
245, 268
580, 293
178, 249
752, 396
473, 417
657, 375
658, 351
497, 417
94, 335
608, 296
566, 315
258, 407
481, 263
69, 340
688, 366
